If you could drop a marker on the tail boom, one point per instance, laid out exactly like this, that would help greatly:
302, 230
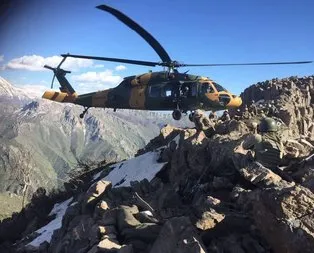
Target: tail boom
60, 96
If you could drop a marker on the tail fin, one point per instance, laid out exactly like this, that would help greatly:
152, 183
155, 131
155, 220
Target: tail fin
67, 93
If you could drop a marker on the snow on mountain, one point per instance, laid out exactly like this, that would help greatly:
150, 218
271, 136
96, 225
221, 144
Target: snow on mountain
8, 90
136, 169
57, 140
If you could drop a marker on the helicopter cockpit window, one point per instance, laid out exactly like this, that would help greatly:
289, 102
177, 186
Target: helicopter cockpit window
207, 88
219, 87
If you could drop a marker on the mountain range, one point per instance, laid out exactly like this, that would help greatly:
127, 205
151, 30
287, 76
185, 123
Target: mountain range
43, 141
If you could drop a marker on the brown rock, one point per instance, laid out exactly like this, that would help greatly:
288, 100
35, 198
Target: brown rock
125, 217
108, 245
209, 220
108, 218
126, 249
146, 232
178, 235
94, 193
105, 230
285, 218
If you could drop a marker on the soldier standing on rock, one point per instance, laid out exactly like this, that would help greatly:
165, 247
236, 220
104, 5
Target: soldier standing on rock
253, 109
246, 114
213, 117
225, 116
202, 123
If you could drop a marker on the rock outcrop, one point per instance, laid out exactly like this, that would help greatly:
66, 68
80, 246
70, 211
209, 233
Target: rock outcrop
185, 192
198, 202
293, 99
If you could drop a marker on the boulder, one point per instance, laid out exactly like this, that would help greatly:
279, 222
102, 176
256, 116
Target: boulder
94, 193
178, 235
285, 218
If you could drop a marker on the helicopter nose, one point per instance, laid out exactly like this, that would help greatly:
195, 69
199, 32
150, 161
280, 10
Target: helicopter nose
235, 102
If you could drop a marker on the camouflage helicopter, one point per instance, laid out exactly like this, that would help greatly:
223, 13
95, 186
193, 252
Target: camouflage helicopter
163, 90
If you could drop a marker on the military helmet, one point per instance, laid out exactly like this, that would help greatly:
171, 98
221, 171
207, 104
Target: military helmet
268, 125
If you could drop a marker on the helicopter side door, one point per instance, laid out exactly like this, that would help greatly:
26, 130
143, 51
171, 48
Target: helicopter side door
161, 96
189, 95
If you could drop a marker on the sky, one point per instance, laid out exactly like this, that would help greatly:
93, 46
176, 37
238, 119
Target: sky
36, 32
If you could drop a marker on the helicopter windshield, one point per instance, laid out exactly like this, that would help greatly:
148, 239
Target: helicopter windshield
219, 87
207, 88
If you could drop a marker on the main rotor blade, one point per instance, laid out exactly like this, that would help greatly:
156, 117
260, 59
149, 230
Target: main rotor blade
144, 63
139, 30
243, 64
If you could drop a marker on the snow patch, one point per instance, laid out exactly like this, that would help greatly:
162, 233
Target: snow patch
46, 232
97, 175
135, 169
149, 213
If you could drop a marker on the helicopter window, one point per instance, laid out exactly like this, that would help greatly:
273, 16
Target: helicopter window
161, 91
207, 88
166, 91
219, 87
155, 91
194, 90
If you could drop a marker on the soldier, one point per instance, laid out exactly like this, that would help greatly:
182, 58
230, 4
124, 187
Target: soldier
246, 114
238, 115
213, 117
252, 108
225, 116
202, 123
267, 146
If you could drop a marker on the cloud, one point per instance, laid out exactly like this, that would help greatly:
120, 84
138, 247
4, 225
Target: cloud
120, 68
37, 62
93, 81
1, 57
99, 66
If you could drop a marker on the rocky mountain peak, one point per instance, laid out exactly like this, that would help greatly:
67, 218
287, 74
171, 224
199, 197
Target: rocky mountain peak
185, 191
291, 99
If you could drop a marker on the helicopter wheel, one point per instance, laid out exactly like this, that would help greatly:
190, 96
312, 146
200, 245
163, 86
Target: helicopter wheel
191, 116
176, 114
83, 113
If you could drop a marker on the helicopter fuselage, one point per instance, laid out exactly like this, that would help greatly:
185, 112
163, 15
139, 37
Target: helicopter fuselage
162, 91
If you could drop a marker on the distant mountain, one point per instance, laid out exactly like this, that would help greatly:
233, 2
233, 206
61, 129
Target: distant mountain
41, 140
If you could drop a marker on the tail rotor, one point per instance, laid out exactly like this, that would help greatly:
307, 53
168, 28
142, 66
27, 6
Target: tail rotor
57, 70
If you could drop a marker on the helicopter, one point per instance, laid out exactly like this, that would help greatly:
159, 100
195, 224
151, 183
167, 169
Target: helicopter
163, 90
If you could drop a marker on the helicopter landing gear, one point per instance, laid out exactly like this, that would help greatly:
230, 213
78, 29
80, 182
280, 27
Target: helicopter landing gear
176, 114
191, 116
83, 113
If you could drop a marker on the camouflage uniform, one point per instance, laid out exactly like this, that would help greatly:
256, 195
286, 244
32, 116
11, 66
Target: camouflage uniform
268, 148
213, 117
225, 116
253, 109
246, 114
202, 123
